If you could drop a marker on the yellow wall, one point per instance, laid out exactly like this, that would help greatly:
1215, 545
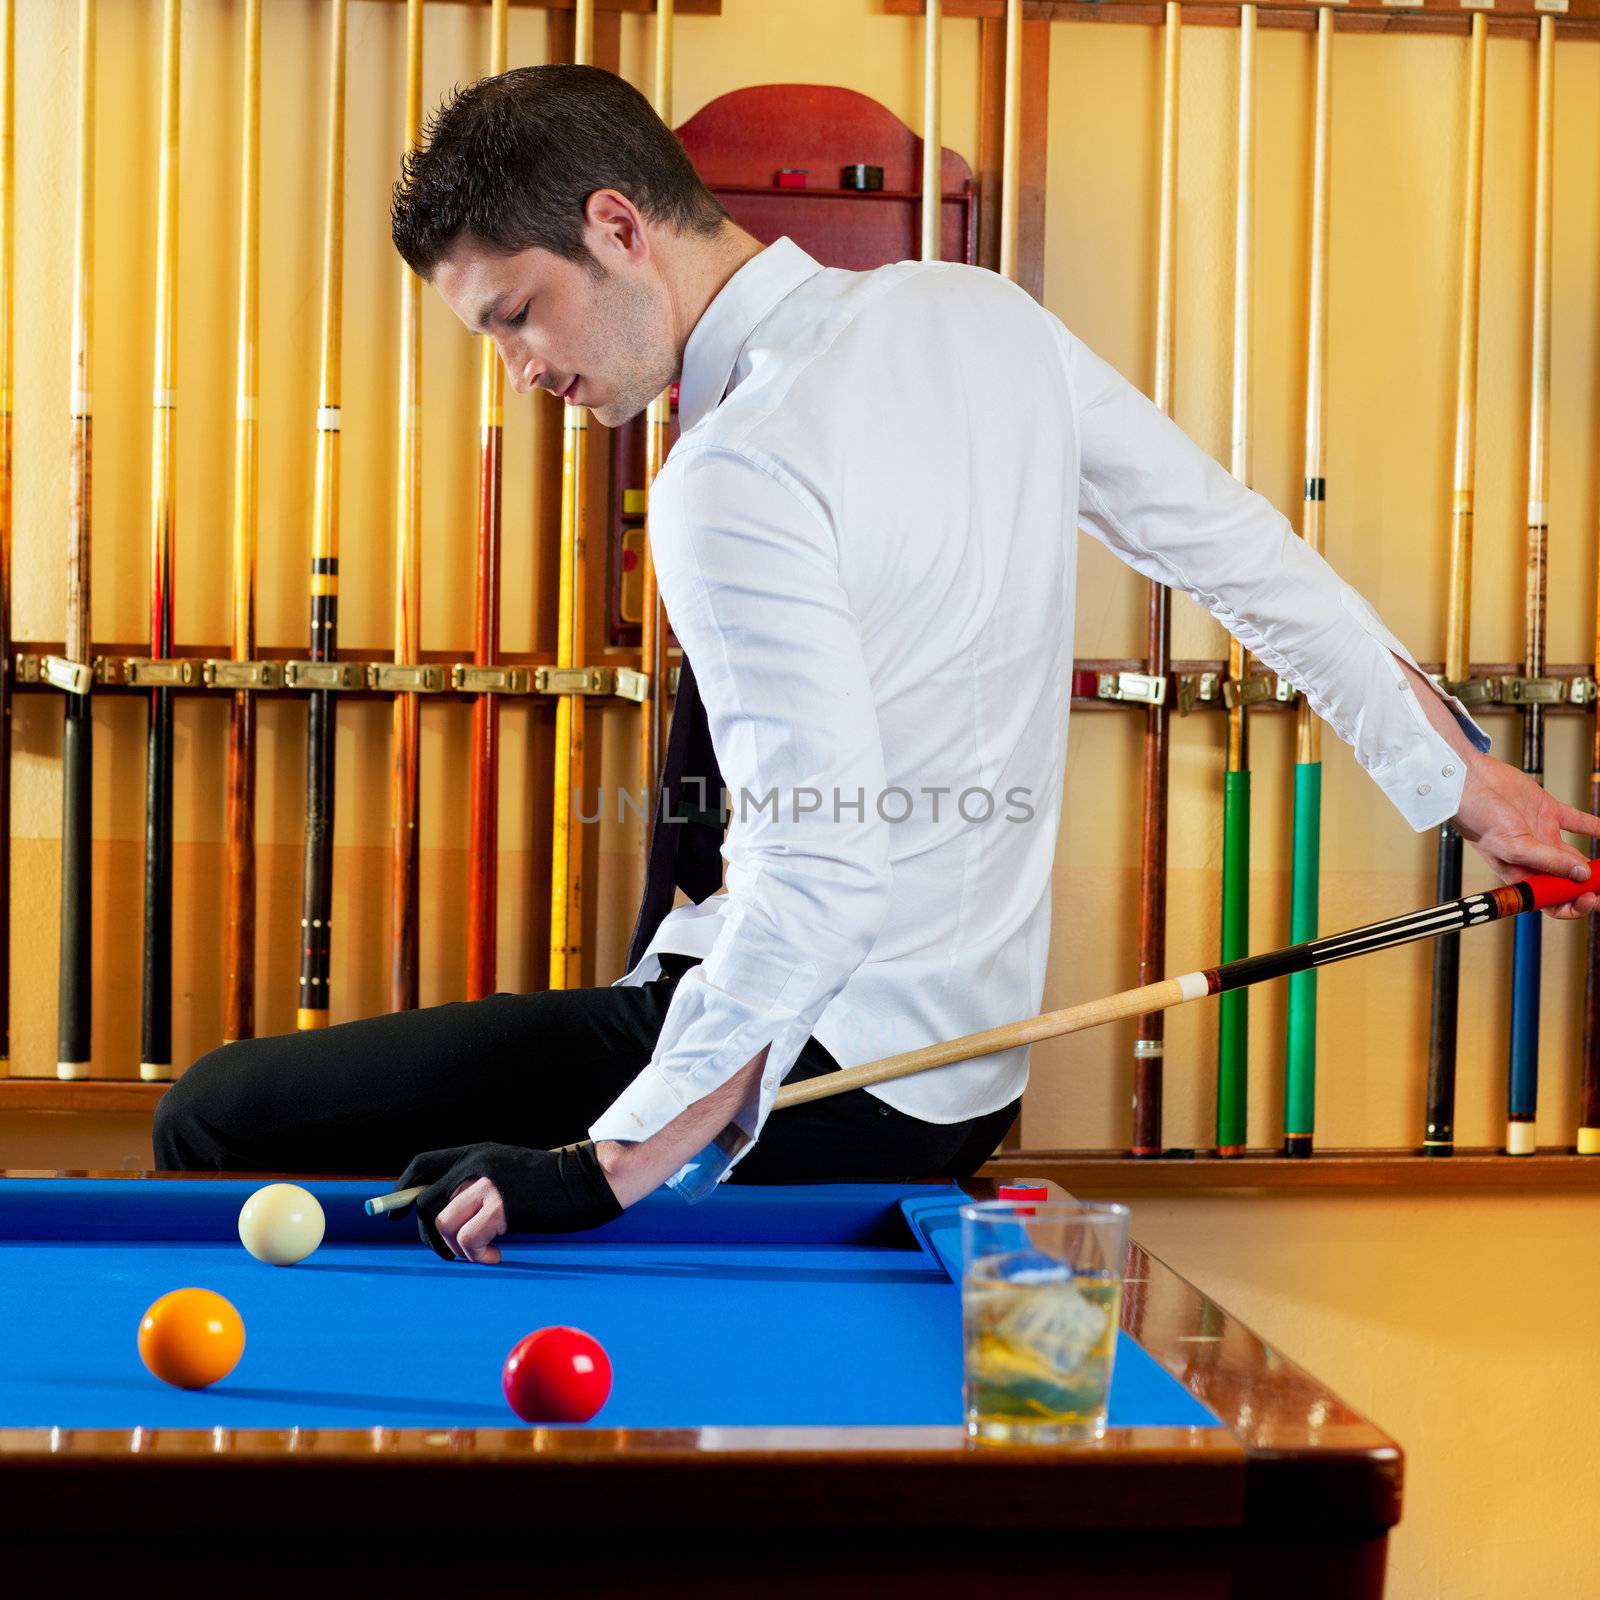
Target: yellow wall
1457, 1323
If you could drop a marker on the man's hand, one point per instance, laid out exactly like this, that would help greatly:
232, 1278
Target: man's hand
1512, 822
477, 1192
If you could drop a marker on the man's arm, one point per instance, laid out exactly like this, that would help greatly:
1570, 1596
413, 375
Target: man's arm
1155, 498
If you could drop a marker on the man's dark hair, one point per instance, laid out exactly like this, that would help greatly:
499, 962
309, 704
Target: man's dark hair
511, 162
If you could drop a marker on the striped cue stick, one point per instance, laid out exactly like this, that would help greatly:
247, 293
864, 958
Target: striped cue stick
1300, 1044
1233, 1019
155, 1052
404, 785
658, 438
1149, 1045
316, 903
8, 186
239, 953
1439, 1121
75, 673
566, 858
483, 804
1522, 1087
1470, 911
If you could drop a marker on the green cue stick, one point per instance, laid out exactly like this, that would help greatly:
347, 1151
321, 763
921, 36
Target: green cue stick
1471, 911
1233, 1021
1300, 1045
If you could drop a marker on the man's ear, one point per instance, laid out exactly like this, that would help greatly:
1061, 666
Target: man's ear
615, 224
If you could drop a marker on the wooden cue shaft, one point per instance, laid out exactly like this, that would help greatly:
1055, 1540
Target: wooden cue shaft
239, 953
8, 185
1439, 1114
1149, 1045
1491, 905
155, 1053
1233, 1018
1300, 1043
75, 993
932, 136
1522, 1087
483, 805
1011, 143
658, 429
566, 859
1589, 1084
404, 771
316, 903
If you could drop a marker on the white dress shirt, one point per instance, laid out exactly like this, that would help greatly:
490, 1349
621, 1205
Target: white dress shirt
866, 539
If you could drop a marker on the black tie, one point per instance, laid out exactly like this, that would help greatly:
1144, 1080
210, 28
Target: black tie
687, 821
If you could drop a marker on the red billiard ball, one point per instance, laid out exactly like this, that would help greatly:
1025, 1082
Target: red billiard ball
557, 1375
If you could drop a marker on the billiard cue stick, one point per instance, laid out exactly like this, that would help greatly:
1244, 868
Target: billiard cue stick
8, 185
75, 672
239, 952
1233, 1017
1439, 1135
483, 803
932, 135
566, 857
1300, 1042
316, 889
404, 777
1011, 143
155, 1052
1149, 1042
658, 438
1522, 1086
1470, 911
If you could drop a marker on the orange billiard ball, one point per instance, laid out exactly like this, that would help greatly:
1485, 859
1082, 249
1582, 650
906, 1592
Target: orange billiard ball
190, 1338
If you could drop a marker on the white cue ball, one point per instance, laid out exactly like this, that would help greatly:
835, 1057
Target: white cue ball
281, 1224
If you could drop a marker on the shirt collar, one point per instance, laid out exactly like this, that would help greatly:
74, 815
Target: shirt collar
725, 324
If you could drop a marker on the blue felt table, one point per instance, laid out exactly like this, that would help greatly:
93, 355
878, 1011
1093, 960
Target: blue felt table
834, 1305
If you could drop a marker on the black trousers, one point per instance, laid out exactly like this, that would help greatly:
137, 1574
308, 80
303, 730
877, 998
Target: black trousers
526, 1069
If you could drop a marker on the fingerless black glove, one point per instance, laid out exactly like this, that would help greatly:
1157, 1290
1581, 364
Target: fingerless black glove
544, 1191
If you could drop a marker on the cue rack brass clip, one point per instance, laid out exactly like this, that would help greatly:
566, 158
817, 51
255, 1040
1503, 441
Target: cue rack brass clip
672, 681
1472, 691
1532, 691
466, 679
1141, 688
139, 673
72, 677
402, 678
324, 675
1582, 692
1247, 691
257, 676
574, 680
1197, 688
632, 685
1284, 692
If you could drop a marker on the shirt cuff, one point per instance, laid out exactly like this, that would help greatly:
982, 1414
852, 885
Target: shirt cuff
708, 1035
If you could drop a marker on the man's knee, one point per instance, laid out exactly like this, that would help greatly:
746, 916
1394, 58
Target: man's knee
188, 1132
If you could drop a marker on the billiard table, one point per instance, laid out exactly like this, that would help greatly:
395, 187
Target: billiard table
786, 1415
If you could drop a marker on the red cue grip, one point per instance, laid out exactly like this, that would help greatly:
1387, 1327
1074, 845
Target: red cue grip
1551, 891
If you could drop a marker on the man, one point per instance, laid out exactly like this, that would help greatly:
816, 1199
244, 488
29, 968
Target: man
865, 539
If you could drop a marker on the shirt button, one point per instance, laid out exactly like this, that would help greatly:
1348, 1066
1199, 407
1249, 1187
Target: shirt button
1447, 771
1424, 788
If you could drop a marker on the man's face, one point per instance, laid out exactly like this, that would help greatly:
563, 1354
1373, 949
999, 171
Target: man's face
598, 340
